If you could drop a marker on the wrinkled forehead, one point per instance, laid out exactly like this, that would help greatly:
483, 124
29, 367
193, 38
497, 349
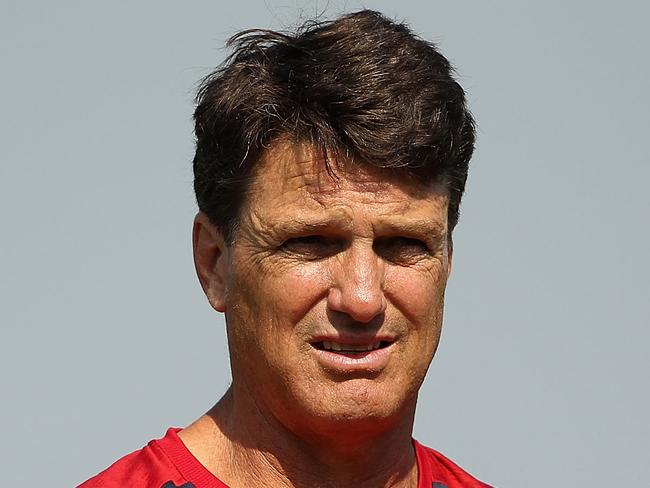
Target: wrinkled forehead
290, 168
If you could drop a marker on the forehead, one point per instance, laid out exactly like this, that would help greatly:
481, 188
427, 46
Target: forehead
294, 178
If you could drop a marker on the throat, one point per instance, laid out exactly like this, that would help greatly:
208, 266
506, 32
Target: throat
242, 449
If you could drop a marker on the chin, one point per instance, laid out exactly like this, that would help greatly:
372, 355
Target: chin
357, 406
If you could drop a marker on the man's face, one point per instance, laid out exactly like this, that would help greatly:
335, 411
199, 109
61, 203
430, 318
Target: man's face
333, 292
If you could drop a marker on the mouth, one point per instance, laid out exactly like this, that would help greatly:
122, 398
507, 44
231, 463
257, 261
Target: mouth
349, 349
353, 355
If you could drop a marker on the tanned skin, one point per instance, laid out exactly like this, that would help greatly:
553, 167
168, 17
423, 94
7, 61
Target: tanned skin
351, 256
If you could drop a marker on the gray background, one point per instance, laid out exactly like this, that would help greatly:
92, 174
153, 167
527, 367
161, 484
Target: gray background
542, 376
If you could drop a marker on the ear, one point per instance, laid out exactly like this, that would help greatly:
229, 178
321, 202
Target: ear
211, 257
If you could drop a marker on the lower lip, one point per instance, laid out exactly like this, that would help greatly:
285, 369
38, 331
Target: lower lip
365, 361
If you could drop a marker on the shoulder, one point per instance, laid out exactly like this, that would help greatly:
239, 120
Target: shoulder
149, 467
438, 471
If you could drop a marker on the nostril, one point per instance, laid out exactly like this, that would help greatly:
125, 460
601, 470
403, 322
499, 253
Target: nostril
362, 305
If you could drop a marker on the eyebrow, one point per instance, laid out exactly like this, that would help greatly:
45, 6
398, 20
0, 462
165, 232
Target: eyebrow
414, 227
305, 224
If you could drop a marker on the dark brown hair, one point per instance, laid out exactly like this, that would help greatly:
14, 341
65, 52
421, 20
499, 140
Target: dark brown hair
361, 86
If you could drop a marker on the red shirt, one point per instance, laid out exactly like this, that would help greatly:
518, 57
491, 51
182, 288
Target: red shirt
167, 463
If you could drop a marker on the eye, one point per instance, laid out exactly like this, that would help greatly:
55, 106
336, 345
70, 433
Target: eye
401, 249
313, 247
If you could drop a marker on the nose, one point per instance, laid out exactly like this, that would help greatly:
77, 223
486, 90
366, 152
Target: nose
357, 288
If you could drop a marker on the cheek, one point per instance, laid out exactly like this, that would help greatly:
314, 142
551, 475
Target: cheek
419, 299
279, 299
417, 294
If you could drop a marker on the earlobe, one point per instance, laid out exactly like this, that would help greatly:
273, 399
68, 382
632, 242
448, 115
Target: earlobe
210, 260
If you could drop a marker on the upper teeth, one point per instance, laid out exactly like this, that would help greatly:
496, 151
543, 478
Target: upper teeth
336, 346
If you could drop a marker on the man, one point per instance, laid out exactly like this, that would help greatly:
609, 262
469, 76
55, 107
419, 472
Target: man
329, 170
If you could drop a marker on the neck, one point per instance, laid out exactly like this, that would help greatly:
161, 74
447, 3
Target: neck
243, 446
